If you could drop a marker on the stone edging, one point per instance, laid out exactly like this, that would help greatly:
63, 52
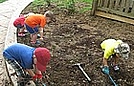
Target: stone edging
11, 34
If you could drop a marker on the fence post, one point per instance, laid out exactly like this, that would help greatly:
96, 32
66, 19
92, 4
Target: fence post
94, 6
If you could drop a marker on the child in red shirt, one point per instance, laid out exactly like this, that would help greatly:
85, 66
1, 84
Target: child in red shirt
19, 24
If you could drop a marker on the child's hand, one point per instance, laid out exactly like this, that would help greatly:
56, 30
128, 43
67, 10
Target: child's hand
39, 76
34, 77
41, 39
105, 70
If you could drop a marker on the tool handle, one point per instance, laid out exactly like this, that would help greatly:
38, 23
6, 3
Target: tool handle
84, 73
112, 80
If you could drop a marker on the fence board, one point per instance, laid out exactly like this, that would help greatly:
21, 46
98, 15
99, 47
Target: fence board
101, 3
94, 7
106, 3
111, 5
117, 3
116, 12
115, 17
132, 11
123, 4
122, 10
127, 6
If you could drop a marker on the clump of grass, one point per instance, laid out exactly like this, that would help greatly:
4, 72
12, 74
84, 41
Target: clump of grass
70, 6
87, 7
38, 3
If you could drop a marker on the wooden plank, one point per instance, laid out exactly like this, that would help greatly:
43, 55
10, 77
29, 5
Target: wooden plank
127, 6
106, 3
123, 4
132, 11
131, 3
111, 5
117, 6
94, 7
115, 17
101, 3
116, 12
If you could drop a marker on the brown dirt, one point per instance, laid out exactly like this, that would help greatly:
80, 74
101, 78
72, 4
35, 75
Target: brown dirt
76, 39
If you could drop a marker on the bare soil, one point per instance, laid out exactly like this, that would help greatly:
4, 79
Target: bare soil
75, 39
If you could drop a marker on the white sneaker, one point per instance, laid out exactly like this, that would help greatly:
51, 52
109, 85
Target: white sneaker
116, 68
21, 34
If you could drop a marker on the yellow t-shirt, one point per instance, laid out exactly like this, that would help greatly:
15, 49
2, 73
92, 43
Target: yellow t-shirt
108, 47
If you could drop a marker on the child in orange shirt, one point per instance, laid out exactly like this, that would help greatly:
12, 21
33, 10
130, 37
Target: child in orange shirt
36, 23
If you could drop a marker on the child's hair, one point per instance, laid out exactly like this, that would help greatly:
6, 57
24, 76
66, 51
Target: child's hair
49, 14
21, 15
28, 14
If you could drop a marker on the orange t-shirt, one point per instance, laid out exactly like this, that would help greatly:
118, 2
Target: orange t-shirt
36, 19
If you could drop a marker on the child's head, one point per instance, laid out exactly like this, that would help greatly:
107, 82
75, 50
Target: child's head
28, 14
123, 50
42, 56
49, 16
21, 15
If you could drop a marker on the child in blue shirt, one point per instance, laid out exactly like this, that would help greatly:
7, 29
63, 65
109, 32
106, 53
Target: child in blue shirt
24, 58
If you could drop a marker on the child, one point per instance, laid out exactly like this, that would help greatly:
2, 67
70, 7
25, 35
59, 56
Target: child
19, 24
36, 23
24, 58
115, 49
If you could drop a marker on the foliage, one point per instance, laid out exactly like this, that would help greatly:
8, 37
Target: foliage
38, 3
70, 5
87, 7
2, 1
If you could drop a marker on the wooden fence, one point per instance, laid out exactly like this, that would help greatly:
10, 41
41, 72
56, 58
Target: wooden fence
121, 10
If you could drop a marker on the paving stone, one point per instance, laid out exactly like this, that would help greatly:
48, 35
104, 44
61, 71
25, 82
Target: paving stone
9, 10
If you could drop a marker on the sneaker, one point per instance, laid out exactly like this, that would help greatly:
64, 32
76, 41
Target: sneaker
33, 42
38, 35
116, 68
37, 42
25, 31
21, 34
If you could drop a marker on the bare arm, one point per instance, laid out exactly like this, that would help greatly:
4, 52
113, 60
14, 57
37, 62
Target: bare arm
105, 62
41, 32
30, 72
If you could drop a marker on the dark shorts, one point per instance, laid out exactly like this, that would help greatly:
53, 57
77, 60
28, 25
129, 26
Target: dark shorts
31, 30
19, 26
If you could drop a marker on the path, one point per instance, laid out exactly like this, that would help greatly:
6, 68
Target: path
9, 10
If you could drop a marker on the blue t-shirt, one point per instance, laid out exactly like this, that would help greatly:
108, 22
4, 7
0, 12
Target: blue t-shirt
23, 54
